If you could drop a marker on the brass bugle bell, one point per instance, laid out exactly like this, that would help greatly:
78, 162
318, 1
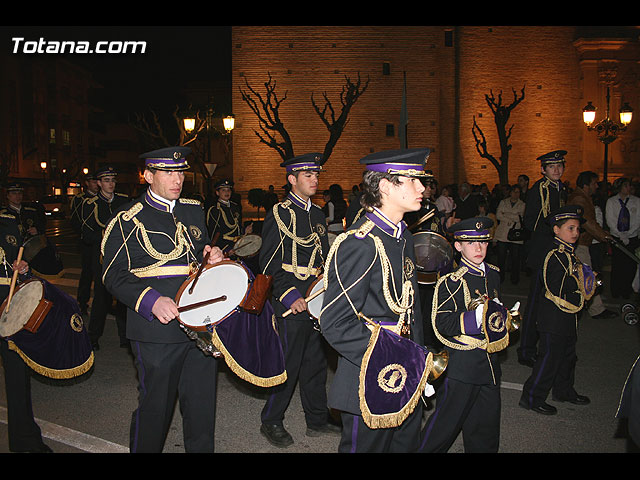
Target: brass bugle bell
515, 320
476, 302
440, 361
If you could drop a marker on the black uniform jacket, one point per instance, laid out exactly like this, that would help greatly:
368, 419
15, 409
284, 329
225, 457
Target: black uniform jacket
29, 215
543, 198
355, 285
224, 220
294, 246
75, 210
562, 297
456, 326
96, 213
149, 252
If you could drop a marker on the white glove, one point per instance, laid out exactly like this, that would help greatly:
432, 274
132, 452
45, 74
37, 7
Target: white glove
497, 300
479, 310
429, 390
515, 307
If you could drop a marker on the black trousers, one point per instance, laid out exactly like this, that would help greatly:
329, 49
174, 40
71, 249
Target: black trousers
426, 302
306, 362
623, 270
357, 437
24, 432
471, 409
554, 370
86, 276
167, 371
514, 250
101, 304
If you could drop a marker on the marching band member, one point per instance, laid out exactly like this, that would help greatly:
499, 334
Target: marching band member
149, 249
75, 217
24, 433
545, 196
294, 246
96, 213
567, 285
468, 399
224, 218
371, 293
29, 215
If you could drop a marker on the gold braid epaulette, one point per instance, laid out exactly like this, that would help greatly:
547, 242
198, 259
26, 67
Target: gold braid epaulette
125, 215
189, 201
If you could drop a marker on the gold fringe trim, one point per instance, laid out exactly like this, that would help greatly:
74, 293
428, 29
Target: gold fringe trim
51, 372
389, 420
241, 371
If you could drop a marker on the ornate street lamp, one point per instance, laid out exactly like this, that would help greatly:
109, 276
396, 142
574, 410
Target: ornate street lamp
607, 130
229, 123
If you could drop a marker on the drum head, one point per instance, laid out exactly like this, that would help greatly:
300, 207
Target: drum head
33, 246
23, 303
248, 246
433, 252
228, 279
315, 305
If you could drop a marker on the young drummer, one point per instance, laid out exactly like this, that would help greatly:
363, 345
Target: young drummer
470, 320
371, 300
567, 284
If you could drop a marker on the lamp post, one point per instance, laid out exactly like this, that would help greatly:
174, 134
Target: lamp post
43, 167
607, 130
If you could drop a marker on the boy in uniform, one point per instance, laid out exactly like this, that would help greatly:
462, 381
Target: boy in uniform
567, 285
470, 320
371, 300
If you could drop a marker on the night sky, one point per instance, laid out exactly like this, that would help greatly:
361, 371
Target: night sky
175, 55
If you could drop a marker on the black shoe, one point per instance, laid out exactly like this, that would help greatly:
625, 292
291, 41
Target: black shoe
577, 400
276, 435
605, 315
326, 429
543, 408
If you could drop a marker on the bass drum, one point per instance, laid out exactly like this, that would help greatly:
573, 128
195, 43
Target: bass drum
434, 256
315, 294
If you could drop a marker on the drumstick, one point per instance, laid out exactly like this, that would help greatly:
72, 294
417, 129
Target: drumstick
204, 303
14, 279
308, 299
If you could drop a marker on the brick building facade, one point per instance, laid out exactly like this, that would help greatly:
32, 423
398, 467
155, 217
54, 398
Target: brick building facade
448, 72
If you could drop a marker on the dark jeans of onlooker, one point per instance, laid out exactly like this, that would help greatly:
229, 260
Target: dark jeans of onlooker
514, 251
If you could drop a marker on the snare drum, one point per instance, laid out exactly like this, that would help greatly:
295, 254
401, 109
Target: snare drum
315, 294
249, 343
247, 246
45, 327
218, 291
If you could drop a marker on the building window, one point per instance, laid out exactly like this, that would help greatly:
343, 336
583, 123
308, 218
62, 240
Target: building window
390, 130
66, 138
386, 68
448, 38
52, 135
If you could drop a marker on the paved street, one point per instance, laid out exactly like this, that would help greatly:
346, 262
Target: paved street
92, 415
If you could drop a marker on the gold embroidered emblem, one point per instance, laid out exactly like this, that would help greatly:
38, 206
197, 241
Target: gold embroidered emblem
496, 322
478, 225
195, 232
321, 229
392, 378
11, 240
76, 322
408, 267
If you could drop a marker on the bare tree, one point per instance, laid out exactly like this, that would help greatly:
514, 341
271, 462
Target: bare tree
348, 97
501, 114
266, 109
272, 131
